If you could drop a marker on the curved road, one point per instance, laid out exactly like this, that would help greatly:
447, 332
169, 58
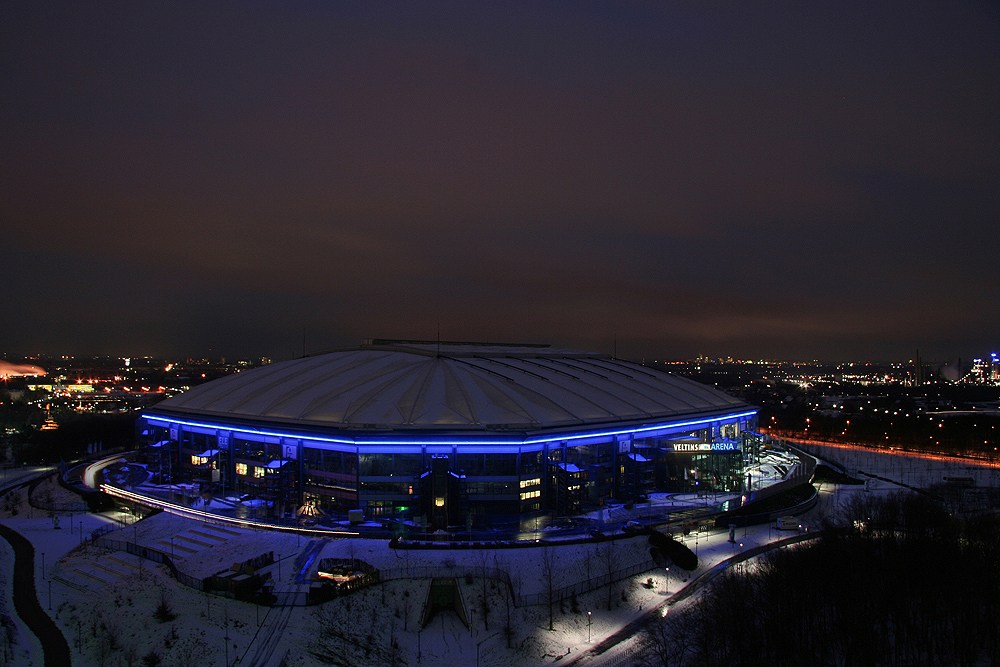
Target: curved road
26, 601
654, 615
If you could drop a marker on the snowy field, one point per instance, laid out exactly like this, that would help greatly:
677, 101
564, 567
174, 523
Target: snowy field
908, 468
17, 645
105, 601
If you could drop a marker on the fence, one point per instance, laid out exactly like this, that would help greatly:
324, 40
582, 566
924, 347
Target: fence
303, 598
44, 500
586, 585
296, 598
66, 506
520, 600
154, 555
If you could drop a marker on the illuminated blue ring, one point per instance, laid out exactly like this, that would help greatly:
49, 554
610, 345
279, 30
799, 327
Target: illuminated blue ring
430, 442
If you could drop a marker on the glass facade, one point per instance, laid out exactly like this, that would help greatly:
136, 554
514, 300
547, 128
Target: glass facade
441, 482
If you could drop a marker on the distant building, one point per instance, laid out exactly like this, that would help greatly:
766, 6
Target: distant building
985, 371
449, 433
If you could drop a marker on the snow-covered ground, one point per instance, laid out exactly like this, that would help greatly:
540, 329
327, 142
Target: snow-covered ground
105, 601
18, 646
915, 469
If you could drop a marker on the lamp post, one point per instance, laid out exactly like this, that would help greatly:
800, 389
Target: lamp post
589, 621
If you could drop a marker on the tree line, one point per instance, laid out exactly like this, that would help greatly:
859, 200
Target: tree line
906, 583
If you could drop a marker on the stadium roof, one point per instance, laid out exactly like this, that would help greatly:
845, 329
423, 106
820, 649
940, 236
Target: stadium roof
438, 386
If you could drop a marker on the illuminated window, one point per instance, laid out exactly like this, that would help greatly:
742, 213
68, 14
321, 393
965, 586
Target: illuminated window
525, 483
241, 468
526, 495
439, 502
258, 471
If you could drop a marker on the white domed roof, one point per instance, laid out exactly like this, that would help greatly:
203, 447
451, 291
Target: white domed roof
447, 387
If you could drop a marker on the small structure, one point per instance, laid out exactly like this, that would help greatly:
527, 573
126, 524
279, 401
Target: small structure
444, 595
243, 580
340, 576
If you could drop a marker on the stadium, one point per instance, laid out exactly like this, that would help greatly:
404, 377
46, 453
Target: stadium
445, 434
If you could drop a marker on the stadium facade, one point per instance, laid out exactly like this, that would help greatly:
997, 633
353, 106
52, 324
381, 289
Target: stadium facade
449, 434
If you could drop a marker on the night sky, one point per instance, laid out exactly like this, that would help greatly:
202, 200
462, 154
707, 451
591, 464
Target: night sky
792, 180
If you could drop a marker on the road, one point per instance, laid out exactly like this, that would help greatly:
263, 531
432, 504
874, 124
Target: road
637, 626
54, 645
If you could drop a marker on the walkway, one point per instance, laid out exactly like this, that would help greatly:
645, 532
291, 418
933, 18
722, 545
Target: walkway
654, 615
54, 644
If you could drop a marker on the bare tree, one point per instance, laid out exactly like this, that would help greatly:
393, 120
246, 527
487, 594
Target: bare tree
606, 555
483, 590
669, 641
548, 572
8, 638
406, 609
508, 629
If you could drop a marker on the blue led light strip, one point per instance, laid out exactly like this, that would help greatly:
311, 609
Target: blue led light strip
446, 441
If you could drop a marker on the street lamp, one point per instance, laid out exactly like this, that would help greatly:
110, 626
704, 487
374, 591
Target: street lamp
589, 622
